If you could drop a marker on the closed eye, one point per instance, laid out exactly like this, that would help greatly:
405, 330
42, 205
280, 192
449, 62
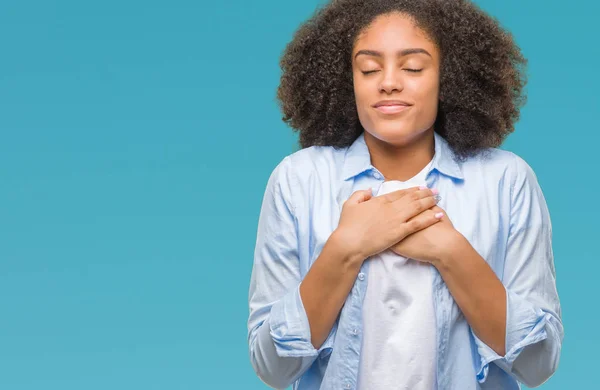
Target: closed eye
407, 69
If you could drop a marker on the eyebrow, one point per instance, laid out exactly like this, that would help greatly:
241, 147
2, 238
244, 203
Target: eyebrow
400, 53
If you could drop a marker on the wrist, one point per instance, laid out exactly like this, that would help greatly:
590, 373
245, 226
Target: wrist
453, 250
349, 255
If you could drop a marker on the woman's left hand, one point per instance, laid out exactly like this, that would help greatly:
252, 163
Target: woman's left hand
432, 243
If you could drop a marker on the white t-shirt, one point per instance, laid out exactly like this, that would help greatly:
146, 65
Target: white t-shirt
399, 349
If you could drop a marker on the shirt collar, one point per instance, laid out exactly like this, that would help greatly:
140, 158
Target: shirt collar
358, 159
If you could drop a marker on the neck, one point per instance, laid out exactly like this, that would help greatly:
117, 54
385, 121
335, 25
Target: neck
401, 161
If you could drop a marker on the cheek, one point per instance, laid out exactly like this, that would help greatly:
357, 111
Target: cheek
424, 89
426, 94
360, 91
362, 98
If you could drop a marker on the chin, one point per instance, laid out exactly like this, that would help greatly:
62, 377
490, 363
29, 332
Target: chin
395, 135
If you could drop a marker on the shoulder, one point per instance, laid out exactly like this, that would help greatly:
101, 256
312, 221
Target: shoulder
298, 173
499, 163
504, 172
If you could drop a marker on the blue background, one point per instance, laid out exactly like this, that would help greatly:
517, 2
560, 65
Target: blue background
136, 139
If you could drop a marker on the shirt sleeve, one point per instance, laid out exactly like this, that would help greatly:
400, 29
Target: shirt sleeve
278, 329
534, 330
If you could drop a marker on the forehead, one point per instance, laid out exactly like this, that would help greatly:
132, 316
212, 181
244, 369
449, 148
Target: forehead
392, 32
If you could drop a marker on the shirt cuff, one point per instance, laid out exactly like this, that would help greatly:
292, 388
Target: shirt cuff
290, 329
525, 325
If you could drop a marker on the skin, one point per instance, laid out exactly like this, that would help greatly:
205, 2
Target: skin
400, 144
404, 221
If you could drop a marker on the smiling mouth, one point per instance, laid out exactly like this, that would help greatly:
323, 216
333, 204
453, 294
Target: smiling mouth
392, 109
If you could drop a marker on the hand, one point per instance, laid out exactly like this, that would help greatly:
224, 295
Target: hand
432, 243
369, 225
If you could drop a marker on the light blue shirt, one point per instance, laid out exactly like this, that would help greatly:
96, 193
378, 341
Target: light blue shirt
493, 199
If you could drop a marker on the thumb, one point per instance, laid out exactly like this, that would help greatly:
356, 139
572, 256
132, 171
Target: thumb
360, 196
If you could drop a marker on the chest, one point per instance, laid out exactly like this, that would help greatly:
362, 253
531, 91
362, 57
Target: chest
478, 212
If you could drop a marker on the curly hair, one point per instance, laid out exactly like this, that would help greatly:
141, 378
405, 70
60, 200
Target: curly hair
482, 74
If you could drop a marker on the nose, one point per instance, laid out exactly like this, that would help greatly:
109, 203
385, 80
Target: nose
391, 81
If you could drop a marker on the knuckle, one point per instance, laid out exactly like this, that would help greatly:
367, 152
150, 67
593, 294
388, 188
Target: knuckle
418, 207
403, 192
413, 225
428, 219
430, 201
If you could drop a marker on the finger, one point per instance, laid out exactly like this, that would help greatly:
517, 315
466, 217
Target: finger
416, 205
413, 196
422, 221
368, 194
359, 196
437, 209
395, 195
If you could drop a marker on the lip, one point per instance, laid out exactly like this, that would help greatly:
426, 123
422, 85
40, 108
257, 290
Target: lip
392, 109
391, 106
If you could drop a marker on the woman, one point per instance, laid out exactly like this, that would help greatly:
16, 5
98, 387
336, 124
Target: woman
365, 279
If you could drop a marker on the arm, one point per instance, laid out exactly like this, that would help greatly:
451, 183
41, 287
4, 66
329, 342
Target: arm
291, 322
516, 323
326, 287
477, 291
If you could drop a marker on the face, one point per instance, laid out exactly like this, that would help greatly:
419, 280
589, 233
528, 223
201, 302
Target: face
395, 69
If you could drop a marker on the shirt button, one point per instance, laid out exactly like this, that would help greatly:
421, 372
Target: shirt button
377, 176
348, 386
355, 331
361, 276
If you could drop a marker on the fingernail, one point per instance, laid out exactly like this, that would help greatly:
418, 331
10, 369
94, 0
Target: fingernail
439, 215
435, 191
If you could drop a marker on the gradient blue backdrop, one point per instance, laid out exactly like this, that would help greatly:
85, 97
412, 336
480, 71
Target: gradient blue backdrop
136, 138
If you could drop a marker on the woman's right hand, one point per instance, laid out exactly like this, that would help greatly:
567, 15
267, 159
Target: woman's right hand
369, 225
